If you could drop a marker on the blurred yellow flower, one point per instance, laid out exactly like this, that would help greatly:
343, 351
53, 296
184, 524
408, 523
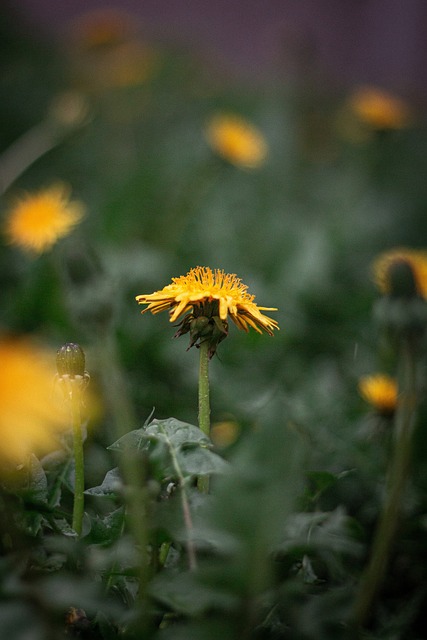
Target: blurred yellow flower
102, 28
31, 421
131, 65
379, 109
225, 433
204, 292
39, 219
415, 259
108, 53
380, 391
236, 140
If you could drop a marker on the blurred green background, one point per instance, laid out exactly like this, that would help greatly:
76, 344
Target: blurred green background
301, 230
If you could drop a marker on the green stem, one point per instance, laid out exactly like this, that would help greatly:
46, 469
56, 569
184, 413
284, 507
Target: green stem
131, 466
79, 477
399, 472
25, 151
204, 404
188, 522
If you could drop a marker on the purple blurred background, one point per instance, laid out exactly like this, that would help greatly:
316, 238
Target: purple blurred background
382, 42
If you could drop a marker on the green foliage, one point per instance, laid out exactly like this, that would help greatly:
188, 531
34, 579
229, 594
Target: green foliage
176, 447
277, 548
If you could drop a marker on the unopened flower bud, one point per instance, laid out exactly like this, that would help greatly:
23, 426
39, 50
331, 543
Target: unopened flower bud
70, 360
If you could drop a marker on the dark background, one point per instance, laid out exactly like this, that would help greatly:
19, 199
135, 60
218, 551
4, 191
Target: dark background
355, 41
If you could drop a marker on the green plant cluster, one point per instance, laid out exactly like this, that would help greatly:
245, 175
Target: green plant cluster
278, 547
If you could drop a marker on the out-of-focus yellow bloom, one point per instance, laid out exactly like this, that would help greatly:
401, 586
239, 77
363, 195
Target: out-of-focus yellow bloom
380, 391
131, 65
38, 220
31, 419
416, 260
225, 433
203, 286
103, 28
236, 140
379, 109
108, 53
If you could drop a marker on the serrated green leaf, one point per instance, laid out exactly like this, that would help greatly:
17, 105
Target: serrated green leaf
171, 430
105, 531
110, 486
29, 482
176, 432
65, 528
184, 593
249, 505
321, 532
37, 488
107, 628
134, 441
199, 461
321, 481
169, 443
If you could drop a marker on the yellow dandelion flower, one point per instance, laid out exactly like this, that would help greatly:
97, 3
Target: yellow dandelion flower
236, 140
31, 421
208, 298
380, 391
202, 285
379, 109
416, 260
39, 220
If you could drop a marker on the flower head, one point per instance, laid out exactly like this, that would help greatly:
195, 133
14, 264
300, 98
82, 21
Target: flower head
391, 267
208, 298
236, 140
380, 391
379, 109
30, 419
39, 219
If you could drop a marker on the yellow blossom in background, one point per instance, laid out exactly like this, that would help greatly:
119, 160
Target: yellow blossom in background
31, 419
380, 391
108, 53
379, 109
415, 259
38, 220
132, 64
210, 292
224, 434
236, 140
103, 28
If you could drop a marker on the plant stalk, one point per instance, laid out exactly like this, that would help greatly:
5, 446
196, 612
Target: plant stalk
79, 478
188, 521
204, 404
22, 153
399, 472
130, 463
